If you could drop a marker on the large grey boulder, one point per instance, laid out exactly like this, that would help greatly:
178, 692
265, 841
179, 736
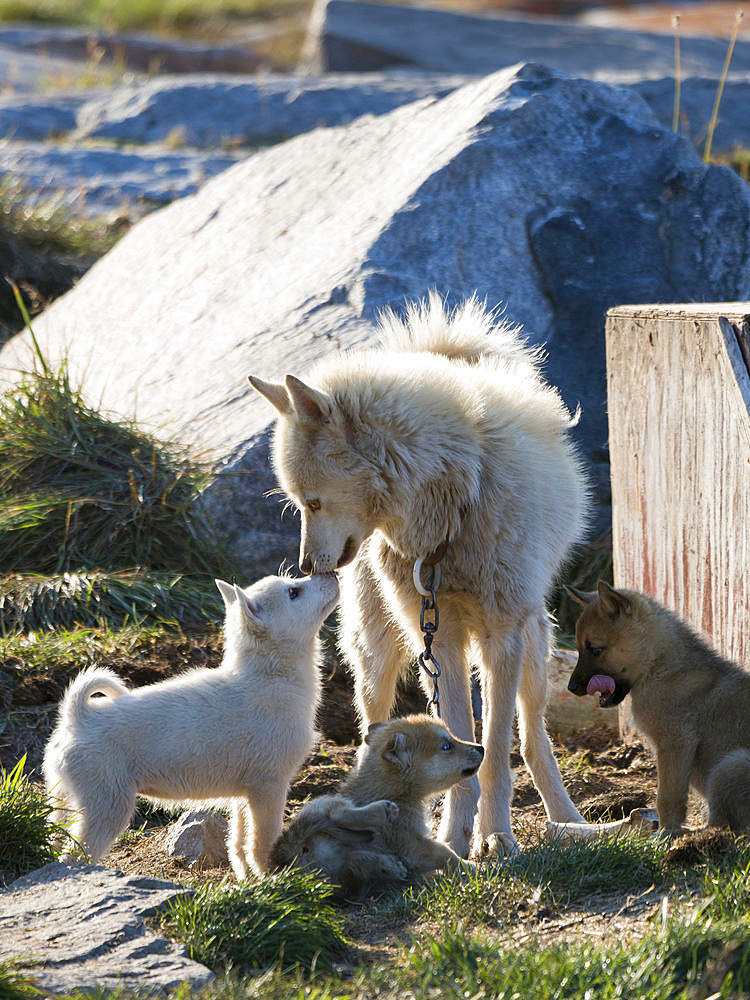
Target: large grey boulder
92, 181
200, 110
555, 196
347, 35
79, 928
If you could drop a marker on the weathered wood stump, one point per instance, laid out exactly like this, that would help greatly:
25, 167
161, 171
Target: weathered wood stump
679, 434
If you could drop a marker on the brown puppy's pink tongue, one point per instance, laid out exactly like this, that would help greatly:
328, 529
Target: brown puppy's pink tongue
600, 683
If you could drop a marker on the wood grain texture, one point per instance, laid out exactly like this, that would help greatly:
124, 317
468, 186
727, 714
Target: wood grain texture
679, 426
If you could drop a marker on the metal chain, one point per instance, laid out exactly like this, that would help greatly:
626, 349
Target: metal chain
429, 619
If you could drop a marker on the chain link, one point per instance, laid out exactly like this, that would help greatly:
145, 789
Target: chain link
429, 619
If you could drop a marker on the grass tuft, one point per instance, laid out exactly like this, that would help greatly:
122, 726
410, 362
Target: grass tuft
25, 829
545, 873
14, 985
281, 921
34, 603
79, 491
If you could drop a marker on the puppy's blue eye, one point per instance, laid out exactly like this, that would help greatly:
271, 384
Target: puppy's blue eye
447, 746
293, 593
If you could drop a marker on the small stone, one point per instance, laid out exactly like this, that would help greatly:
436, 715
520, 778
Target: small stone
200, 837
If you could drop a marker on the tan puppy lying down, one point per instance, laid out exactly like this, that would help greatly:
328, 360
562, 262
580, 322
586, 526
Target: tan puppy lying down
375, 829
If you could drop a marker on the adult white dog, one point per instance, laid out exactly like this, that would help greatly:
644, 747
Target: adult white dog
233, 736
445, 444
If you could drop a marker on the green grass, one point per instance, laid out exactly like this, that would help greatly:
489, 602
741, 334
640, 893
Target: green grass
44, 223
14, 985
542, 875
160, 15
24, 825
79, 491
284, 920
32, 603
76, 649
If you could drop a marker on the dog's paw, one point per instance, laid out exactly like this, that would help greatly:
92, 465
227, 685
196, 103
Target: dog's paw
389, 810
499, 845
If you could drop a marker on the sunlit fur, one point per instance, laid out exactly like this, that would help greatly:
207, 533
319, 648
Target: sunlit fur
233, 736
375, 829
446, 435
691, 704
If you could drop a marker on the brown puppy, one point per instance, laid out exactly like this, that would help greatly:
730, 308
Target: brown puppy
691, 704
375, 829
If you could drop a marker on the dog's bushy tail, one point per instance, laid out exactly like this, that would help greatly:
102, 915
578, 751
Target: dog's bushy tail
470, 332
95, 680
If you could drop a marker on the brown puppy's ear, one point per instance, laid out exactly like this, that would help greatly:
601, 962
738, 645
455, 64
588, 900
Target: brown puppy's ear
374, 726
580, 596
613, 601
309, 404
276, 394
396, 750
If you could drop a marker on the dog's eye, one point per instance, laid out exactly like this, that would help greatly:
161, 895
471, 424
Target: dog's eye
447, 745
293, 593
594, 650
313, 504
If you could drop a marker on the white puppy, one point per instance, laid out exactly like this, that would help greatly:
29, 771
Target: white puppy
233, 736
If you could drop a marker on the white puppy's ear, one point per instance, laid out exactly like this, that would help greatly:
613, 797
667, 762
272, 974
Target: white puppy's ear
613, 601
227, 592
397, 751
581, 597
309, 404
250, 609
276, 394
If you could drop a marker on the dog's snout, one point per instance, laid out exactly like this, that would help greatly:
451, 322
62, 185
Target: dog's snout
306, 565
573, 686
479, 750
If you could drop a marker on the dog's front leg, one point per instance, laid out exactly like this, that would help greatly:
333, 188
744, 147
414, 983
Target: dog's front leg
501, 657
370, 642
254, 828
457, 823
674, 762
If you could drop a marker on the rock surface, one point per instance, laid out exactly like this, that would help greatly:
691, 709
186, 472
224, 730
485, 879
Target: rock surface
558, 197
347, 35
198, 837
84, 927
93, 181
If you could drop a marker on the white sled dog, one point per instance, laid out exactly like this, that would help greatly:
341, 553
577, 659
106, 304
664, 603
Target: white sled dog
445, 444
234, 735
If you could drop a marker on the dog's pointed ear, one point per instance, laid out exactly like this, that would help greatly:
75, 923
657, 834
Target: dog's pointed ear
613, 601
373, 728
581, 597
227, 592
275, 393
309, 404
396, 750
250, 609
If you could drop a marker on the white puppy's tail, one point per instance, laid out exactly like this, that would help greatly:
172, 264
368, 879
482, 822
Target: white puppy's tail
95, 680
469, 332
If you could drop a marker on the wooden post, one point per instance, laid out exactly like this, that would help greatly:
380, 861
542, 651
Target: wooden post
678, 392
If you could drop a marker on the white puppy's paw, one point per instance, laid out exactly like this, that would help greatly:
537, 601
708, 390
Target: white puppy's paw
499, 845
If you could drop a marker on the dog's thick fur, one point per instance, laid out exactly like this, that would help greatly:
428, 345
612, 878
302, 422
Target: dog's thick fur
691, 704
443, 444
233, 735
375, 829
